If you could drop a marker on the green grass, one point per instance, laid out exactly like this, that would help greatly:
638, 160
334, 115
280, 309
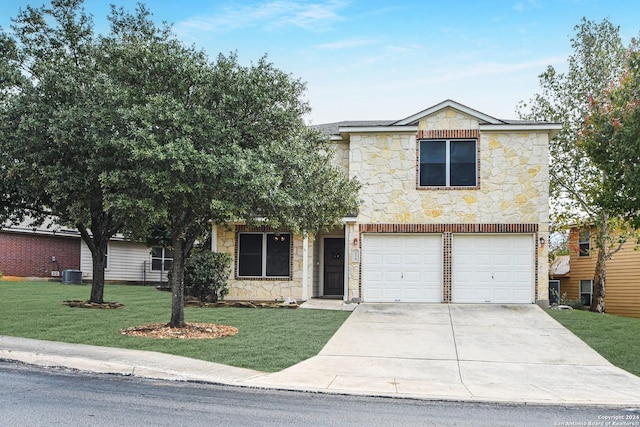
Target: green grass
614, 337
268, 340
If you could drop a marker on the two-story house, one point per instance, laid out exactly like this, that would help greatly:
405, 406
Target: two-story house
622, 285
454, 208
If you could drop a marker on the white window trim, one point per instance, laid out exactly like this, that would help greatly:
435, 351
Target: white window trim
590, 289
448, 162
581, 242
163, 258
263, 274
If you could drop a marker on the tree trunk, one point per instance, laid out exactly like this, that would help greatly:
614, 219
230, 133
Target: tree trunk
177, 284
97, 282
600, 274
97, 244
183, 238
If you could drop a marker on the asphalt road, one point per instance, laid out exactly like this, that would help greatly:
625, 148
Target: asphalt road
32, 396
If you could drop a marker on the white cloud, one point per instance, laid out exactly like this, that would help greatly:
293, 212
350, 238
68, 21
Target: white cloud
346, 44
485, 69
316, 16
525, 5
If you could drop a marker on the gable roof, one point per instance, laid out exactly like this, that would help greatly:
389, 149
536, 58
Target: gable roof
334, 128
415, 118
338, 130
560, 266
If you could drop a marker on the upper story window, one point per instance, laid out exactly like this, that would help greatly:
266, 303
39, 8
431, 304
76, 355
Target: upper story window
448, 163
584, 243
264, 254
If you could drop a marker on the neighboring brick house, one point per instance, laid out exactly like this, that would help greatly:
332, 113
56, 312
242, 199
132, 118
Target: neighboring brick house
454, 208
46, 251
622, 286
27, 252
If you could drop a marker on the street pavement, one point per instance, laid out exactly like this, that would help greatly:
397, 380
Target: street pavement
481, 353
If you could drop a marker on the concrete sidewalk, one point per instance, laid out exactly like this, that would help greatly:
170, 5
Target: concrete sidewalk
426, 351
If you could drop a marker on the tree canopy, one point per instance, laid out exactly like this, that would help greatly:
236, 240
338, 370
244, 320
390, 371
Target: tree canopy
57, 109
577, 182
134, 131
612, 140
215, 142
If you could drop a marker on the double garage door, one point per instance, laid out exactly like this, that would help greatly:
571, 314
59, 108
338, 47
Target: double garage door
496, 268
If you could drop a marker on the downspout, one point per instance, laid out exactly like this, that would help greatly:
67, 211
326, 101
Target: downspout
347, 258
214, 238
305, 267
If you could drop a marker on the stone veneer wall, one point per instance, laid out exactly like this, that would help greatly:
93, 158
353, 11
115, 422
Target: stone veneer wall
265, 288
513, 183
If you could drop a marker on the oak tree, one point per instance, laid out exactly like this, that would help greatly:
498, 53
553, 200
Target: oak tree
576, 182
57, 109
611, 138
213, 142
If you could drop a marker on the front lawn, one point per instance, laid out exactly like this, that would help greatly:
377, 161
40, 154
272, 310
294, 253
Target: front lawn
614, 337
268, 340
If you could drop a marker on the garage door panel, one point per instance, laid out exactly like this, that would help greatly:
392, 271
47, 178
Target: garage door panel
392, 276
493, 268
375, 258
410, 267
392, 259
374, 276
392, 294
415, 259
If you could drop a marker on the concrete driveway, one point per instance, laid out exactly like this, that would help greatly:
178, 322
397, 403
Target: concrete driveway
514, 353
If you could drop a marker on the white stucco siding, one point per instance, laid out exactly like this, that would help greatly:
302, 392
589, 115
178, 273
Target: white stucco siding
126, 261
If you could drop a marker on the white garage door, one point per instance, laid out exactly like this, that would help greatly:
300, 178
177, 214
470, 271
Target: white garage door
492, 268
402, 268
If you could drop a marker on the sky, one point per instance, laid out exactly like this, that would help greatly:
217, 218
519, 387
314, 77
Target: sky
379, 60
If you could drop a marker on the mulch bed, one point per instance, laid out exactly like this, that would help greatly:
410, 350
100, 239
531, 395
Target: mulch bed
240, 304
191, 331
87, 304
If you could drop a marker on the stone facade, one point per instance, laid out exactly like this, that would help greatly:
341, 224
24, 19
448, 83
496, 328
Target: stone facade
511, 195
266, 289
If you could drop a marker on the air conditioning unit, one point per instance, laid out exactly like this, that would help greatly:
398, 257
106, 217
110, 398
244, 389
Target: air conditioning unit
72, 276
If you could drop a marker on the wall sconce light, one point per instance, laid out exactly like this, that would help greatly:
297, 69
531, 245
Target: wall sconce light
355, 241
542, 241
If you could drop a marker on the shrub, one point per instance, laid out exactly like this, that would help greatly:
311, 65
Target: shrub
206, 274
573, 303
0, 274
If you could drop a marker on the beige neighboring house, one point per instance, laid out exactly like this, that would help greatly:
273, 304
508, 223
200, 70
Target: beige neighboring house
454, 209
559, 277
622, 286
46, 251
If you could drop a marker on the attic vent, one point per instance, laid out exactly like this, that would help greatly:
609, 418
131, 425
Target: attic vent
448, 133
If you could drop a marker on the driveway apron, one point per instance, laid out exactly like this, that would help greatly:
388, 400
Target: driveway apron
496, 353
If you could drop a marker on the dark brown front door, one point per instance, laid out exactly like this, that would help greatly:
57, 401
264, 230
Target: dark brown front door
333, 267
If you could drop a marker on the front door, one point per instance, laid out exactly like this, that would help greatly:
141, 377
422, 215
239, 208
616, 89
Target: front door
554, 291
333, 274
